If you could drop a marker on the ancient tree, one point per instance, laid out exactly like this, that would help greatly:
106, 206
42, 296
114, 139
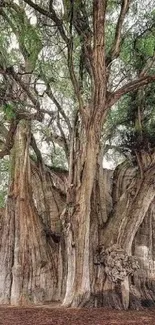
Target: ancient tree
76, 232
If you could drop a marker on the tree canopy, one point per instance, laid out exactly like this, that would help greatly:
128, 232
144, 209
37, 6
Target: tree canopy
53, 44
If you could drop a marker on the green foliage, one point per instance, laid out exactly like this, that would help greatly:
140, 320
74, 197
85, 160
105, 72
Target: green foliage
110, 34
133, 122
27, 35
9, 111
58, 158
126, 54
45, 53
147, 45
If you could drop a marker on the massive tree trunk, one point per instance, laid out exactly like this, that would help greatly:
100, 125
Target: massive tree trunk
123, 264
102, 229
101, 251
76, 217
29, 255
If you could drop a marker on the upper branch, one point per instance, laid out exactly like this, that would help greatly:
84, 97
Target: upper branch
69, 42
15, 76
117, 41
82, 26
99, 11
74, 80
52, 15
99, 67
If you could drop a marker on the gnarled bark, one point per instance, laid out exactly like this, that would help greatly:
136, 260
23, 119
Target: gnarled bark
133, 198
29, 258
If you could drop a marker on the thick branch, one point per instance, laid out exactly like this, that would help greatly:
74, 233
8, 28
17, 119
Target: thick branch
131, 86
99, 67
81, 24
99, 11
117, 42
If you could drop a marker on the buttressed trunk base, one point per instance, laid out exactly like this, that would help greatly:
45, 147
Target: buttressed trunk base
28, 263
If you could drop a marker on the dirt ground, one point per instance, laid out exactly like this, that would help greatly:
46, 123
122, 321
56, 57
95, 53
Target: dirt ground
62, 316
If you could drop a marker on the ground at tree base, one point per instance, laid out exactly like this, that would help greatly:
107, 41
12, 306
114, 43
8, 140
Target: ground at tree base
62, 316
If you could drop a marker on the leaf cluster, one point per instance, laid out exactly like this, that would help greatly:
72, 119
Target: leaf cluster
133, 122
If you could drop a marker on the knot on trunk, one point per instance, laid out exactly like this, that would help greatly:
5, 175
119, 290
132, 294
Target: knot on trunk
117, 263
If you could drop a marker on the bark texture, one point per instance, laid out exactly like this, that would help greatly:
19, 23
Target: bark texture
124, 255
29, 256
